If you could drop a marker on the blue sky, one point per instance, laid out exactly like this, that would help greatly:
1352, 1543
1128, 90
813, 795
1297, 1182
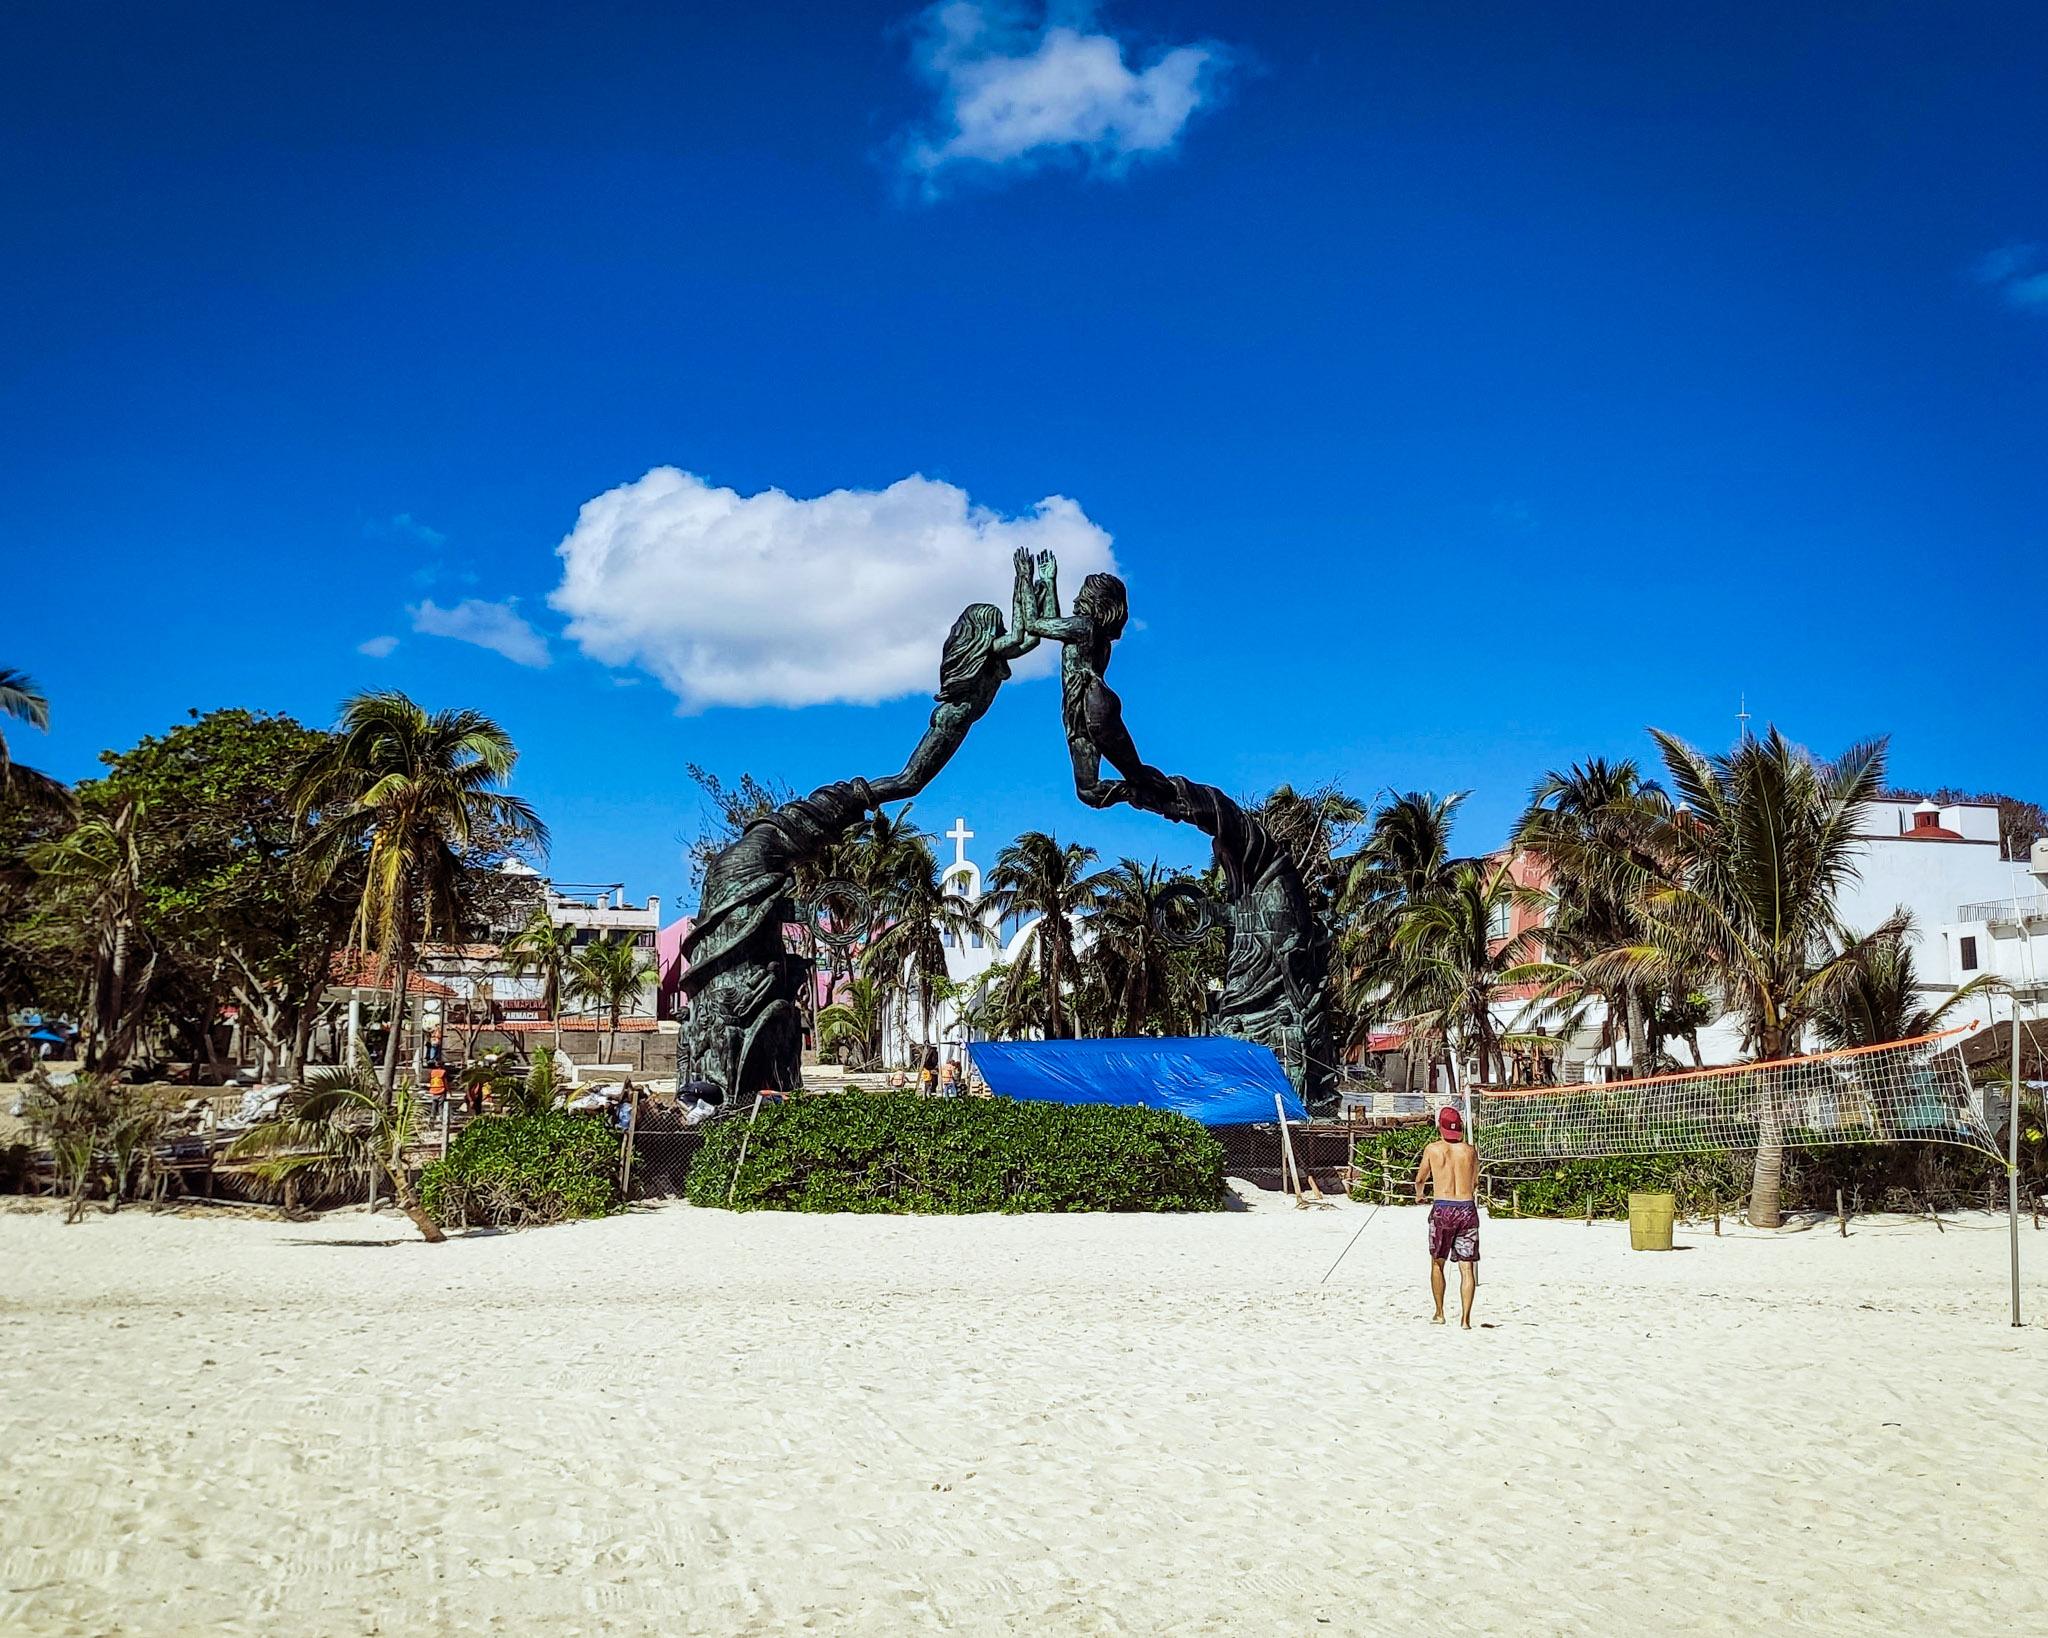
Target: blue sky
1460, 389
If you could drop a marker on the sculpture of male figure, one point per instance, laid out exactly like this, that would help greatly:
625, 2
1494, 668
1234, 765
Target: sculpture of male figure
1093, 714
1273, 990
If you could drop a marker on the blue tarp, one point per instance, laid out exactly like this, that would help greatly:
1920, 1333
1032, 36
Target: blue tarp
1215, 1079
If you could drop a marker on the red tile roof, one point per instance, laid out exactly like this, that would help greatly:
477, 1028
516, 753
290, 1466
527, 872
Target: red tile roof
528, 1026
364, 970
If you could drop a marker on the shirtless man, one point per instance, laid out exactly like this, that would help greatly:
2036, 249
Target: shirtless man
1451, 1166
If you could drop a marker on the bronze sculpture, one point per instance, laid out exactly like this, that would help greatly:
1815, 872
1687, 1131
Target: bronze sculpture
1274, 989
745, 1031
742, 982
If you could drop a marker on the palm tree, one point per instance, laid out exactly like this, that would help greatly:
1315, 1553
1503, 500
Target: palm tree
1143, 973
1765, 840
1406, 859
1452, 965
1002, 1002
1595, 826
344, 1125
409, 789
94, 877
855, 1020
1313, 826
1881, 1001
1037, 875
538, 1091
22, 700
610, 974
544, 947
921, 914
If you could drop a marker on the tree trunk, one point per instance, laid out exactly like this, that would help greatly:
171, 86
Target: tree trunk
1766, 1180
1638, 1033
398, 978
409, 1203
302, 1034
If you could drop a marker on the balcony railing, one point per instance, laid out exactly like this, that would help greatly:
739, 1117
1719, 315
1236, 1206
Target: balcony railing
2028, 907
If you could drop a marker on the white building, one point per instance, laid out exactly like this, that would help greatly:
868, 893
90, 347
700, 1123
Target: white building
968, 958
2004, 934
483, 978
1932, 860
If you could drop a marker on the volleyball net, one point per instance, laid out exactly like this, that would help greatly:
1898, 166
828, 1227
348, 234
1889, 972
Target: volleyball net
1913, 1091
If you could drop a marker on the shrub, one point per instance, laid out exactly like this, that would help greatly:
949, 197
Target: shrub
898, 1153
1878, 1176
515, 1170
1560, 1188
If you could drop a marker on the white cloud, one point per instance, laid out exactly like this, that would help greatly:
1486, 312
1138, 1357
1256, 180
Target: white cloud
765, 599
1017, 91
2028, 293
377, 647
404, 527
2015, 272
499, 627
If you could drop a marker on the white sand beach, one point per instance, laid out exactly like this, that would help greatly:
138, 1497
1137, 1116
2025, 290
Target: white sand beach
683, 1421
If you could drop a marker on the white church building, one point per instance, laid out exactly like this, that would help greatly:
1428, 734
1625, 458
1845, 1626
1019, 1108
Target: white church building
969, 957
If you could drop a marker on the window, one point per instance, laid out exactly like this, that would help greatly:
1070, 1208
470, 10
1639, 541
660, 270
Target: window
644, 941
1967, 952
1497, 920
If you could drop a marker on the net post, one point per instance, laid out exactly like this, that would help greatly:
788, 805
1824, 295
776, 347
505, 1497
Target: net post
2012, 1160
746, 1137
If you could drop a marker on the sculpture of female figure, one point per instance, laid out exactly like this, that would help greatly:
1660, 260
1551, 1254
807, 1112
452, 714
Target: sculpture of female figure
973, 667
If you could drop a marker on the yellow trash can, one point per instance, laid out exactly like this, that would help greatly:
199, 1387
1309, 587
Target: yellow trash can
1649, 1221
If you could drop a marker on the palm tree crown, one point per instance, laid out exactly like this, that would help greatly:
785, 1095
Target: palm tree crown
22, 700
1764, 842
1038, 875
409, 790
610, 974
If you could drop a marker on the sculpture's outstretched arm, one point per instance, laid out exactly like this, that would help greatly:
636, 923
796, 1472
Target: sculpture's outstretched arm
1020, 640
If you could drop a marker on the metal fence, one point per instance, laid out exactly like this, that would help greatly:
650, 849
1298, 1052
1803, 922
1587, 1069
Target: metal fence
662, 1154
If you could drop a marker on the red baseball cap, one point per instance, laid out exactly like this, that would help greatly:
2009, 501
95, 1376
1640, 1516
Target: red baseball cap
1450, 1122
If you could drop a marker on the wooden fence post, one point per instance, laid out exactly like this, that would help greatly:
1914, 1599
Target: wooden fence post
626, 1146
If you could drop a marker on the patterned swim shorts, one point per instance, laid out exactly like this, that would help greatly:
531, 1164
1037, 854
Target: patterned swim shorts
1454, 1231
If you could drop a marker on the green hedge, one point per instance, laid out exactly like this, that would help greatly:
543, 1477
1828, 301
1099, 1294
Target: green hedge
899, 1153
515, 1170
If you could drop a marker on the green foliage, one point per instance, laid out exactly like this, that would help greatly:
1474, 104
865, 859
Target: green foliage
896, 1153
1702, 1182
1877, 1176
525, 1169
101, 1137
536, 1094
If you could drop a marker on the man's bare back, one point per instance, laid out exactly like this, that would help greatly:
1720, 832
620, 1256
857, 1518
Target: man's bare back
1452, 1170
